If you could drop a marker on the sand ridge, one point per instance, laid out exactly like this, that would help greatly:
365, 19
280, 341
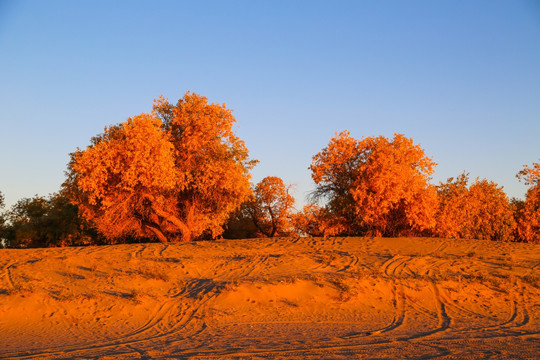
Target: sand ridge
273, 298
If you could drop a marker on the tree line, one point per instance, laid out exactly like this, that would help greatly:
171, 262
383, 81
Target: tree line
181, 173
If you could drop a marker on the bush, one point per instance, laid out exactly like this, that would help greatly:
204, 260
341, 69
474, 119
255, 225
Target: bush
175, 174
375, 185
46, 221
271, 207
481, 211
528, 214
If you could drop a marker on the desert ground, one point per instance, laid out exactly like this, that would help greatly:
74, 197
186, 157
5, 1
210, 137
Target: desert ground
284, 298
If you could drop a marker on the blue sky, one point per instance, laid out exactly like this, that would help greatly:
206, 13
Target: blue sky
462, 78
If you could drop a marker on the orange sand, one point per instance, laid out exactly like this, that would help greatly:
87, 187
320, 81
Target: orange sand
306, 298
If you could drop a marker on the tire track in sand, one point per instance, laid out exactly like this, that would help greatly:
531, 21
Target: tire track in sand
351, 263
246, 268
391, 267
518, 318
164, 322
399, 303
444, 320
157, 316
400, 306
442, 246
8, 275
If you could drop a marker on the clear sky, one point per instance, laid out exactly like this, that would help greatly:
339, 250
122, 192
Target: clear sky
462, 78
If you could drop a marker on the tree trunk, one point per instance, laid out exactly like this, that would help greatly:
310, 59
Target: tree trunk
184, 229
259, 226
273, 221
159, 234
182, 226
274, 230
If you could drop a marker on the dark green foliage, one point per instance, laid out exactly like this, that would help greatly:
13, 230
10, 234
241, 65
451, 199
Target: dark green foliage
240, 225
45, 221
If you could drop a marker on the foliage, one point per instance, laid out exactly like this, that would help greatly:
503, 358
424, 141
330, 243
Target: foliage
2, 221
174, 174
492, 217
376, 185
315, 220
270, 207
124, 178
46, 221
240, 224
453, 209
530, 175
528, 215
481, 211
334, 171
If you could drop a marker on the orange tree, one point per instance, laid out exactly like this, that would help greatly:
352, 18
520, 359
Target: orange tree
453, 210
481, 211
528, 217
270, 207
491, 214
315, 220
174, 174
376, 185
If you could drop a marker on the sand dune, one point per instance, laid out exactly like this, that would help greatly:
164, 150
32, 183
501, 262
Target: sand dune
304, 298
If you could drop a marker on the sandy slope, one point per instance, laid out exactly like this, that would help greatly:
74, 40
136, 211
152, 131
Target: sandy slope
273, 298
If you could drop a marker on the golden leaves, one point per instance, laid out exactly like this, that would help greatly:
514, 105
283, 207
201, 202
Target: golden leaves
271, 207
175, 173
481, 211
528, 217
179, 172
383, 182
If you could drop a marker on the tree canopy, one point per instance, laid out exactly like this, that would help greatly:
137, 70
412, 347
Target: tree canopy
528, 217
479, 211
43, 222
271, 207
174, 174
181, 173
376, 185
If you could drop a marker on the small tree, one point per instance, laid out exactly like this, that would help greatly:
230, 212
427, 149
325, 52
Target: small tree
46, 221
481, 211
528, 216
174, 174
453, 212
491, 217
240, 224
122, 181
315, 220
376, 184
271, 206
334, 171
